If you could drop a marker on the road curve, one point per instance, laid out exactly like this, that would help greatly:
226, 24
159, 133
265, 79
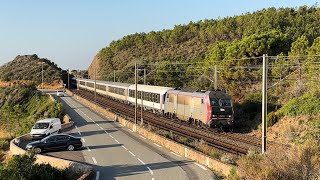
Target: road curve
117, 153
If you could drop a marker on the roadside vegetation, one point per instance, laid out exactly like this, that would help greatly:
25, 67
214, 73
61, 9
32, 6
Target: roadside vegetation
24, 167
21, 106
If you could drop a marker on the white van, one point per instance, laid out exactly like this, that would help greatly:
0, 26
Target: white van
45, 127
60, 93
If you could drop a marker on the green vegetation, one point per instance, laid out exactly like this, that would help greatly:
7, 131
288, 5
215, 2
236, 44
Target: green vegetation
269, 31
21, 106
29, 67
23, 167
307, 104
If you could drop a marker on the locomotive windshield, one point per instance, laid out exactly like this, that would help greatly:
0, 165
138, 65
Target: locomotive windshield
220, 102
215, 102
225, 102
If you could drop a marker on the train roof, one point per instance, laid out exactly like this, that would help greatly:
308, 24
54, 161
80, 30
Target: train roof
108, 83
149, 88
219, 94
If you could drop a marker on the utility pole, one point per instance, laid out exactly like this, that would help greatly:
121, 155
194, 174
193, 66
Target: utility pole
141, 108
95, 84
264, 103
135, 92
215, 77
144, 76
68, 79
42, 75
114, 75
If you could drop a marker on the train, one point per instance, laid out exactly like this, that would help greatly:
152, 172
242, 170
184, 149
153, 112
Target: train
202, 108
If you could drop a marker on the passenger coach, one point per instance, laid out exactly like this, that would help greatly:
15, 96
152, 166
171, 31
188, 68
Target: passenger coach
112, 89
153, 96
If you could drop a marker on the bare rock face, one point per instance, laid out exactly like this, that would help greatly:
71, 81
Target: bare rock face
95, 65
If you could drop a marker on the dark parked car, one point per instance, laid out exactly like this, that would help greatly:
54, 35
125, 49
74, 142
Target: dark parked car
56, 142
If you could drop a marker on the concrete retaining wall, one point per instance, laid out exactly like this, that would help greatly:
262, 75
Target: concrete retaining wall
180, 149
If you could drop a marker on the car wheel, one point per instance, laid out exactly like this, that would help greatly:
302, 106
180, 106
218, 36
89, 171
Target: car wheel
59, 131
37, 150
70, 147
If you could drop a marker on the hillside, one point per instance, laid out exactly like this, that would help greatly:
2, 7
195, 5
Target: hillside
268, 31
186, 55
28, 69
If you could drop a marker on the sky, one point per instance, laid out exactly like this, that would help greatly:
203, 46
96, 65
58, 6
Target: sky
71, 32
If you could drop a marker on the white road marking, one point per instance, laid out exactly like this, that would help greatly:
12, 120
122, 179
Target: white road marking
132, 153
106, 131
176, 154
111, 136
98, 175
117, 141
101, 128
150, 170
141, 161
157, 144
94, 160
124, 147
79, 133
76, 127
143, 137
201, 166
88, 148
130, 130
83, 140
97, 124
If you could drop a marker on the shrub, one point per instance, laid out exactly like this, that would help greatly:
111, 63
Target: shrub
307, 104
215, 154
3, 143
24, 167
272, 118
184, 140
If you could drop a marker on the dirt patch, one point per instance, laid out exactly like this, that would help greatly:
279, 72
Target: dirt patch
56, 84
4, 84
285, 130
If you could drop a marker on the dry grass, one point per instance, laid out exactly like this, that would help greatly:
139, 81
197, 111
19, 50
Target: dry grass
286, 130
299, 162
4, 84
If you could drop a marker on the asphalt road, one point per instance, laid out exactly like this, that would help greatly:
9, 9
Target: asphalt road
116, 152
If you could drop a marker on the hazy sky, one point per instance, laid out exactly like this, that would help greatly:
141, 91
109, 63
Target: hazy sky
71, 32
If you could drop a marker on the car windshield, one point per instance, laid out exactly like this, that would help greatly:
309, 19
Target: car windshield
41, 126
214, 102
225, 102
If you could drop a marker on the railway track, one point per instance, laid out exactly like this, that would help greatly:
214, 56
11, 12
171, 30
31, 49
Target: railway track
227, 142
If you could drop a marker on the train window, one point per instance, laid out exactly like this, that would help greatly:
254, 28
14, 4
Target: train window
121, 91
147, 96
157, 98
214, 102
171, 98
152, 97
225, 102
202, 101
90, 84
139, 94
82, 83
101, 87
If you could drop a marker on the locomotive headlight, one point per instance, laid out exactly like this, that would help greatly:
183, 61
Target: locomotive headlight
214, 115
229, 115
